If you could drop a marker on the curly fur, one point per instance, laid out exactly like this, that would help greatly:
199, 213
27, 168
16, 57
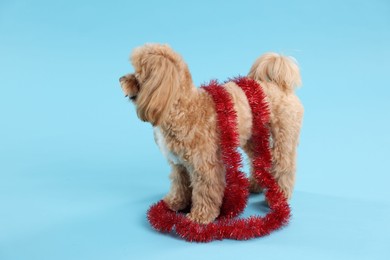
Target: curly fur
185, 124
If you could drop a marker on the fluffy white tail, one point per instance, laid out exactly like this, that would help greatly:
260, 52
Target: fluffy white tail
277, 68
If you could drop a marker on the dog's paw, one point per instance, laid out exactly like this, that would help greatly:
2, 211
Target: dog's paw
176, 204
287, 192
202, 218
254, 187
199, 219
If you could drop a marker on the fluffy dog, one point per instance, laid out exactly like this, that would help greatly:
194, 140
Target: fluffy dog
185, 127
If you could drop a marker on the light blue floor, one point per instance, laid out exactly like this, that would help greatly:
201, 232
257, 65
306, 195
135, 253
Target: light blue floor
78, 170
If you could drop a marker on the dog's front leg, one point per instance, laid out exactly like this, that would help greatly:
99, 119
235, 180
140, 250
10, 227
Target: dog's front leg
208, 185
179, 197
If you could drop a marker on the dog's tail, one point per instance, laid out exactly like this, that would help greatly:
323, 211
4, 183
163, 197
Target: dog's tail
273, 67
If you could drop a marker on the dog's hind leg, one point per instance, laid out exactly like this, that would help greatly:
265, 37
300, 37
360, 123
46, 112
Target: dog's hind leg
285, 128
179, 196
254, 186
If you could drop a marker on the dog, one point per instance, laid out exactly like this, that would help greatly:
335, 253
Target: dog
185, 127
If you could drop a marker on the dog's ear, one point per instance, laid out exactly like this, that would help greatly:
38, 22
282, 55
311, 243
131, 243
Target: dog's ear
159, 77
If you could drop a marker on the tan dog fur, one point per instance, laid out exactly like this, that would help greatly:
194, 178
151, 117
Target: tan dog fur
185, 124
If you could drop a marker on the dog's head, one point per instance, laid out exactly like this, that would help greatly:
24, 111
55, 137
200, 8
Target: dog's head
160, 77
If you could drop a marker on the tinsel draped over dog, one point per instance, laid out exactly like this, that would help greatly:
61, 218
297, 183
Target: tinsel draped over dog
237, 186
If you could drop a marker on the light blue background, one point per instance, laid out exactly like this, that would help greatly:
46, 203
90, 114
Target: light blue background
78, 170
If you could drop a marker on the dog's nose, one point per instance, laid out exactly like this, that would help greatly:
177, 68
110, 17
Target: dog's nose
121, 78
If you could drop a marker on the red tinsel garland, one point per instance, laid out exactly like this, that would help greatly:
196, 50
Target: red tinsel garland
236, 192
